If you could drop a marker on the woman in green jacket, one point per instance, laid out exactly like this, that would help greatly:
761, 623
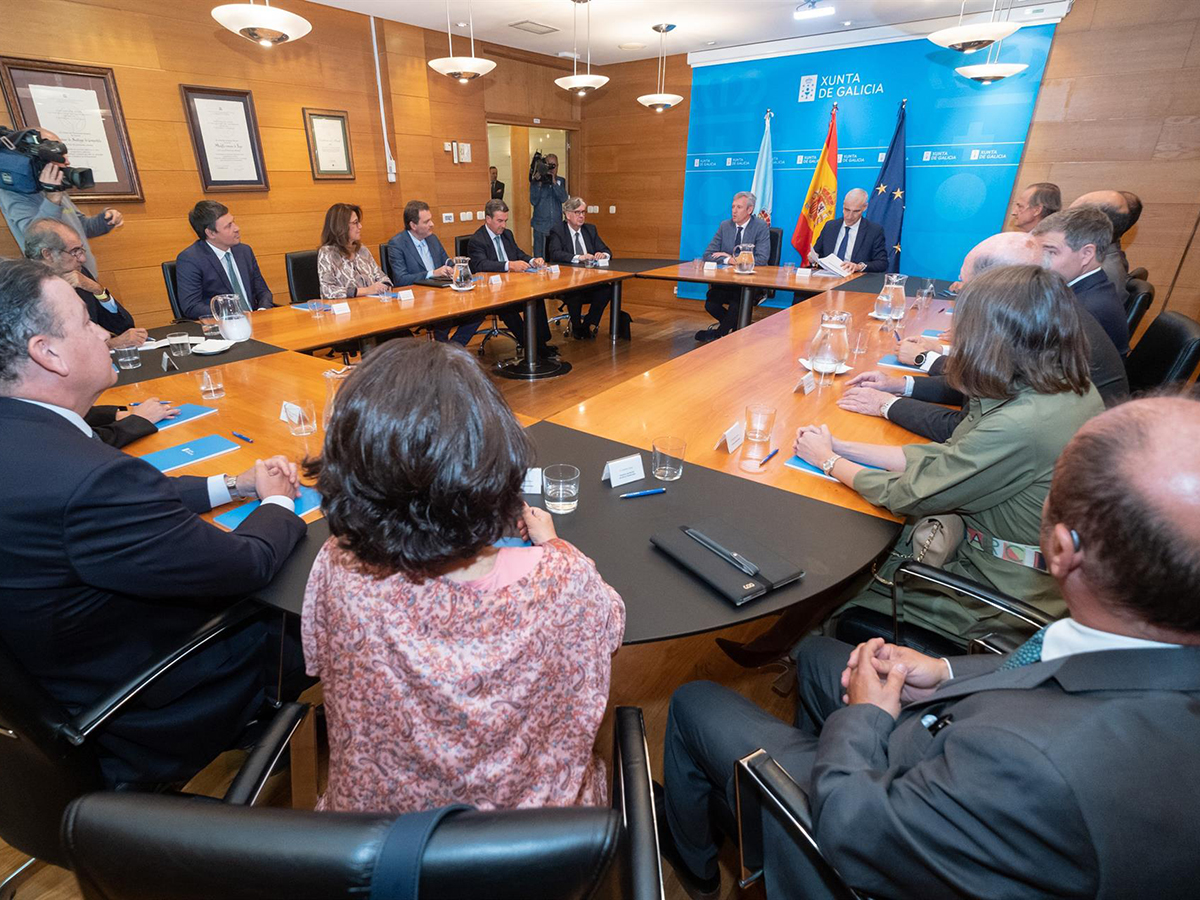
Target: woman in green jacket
1021, 357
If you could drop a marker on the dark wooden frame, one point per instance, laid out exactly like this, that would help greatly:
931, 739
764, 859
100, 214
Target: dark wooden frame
119, 144
190, 92
309, 113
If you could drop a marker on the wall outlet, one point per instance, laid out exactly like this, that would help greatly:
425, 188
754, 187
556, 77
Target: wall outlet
478, 214
464, 216
612, 210
446, 146
537, 121
447, 218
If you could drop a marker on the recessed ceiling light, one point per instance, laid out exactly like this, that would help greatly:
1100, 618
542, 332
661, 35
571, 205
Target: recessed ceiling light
709, 43
461, 24
847, 23
633, 45
812, 12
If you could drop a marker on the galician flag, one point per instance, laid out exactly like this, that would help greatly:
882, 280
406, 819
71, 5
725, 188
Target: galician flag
763, 186
820, 204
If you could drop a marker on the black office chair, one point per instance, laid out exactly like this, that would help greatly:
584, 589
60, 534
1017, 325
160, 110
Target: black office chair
494, 329
48, 756
303, 282
1169, 352
1139, 273
143, 847
1139, 298
385, 263
168, 270
773, 256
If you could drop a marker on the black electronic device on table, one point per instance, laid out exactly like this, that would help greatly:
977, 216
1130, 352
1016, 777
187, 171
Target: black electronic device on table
437, 281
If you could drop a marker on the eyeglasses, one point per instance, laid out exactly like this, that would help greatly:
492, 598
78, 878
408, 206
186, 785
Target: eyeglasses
77, 252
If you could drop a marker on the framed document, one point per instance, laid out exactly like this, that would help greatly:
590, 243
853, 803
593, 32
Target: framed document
79, 104
225, 137
328, 133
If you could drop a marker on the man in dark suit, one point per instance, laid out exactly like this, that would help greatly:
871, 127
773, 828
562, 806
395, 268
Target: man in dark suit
1123, 209
858, 242
217, 263
723, 301
574, 242
494, 249
120, 427
416, 254
105, 562
915, 403
497, 186
1033, 774
59, 246
1074, 241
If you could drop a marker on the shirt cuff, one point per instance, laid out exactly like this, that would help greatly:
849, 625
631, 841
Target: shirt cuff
931, 356
575, 258
429, 273
218, 494
505, 266
280, 500
883, 410
110, 304
949, 668
909, 381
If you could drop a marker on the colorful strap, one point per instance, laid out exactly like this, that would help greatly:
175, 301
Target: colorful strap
1022, 554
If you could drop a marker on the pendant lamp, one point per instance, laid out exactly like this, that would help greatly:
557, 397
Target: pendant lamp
262, 23
661, 100
464, 68
969, 38
576, 83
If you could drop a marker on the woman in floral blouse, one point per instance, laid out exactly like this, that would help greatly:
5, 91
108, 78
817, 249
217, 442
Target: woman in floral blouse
454, 671
345, 267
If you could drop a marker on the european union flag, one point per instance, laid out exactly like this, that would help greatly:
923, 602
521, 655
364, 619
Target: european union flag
886, 207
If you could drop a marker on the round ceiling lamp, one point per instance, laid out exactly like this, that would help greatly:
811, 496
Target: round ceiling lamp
988, 73
969, 38
262, 23
463, 68
660, 100
575, 83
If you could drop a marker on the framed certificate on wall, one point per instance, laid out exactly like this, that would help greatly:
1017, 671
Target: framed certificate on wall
328, 133
224, 132
80, 105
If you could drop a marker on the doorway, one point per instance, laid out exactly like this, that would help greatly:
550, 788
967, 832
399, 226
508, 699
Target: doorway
510, 148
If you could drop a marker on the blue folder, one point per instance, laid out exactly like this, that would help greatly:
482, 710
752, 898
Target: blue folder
797, 463
892, 362
308, 500
187, 412
191, 452
307, 307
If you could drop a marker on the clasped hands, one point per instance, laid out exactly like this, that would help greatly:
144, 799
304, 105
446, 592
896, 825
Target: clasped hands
516, 265
276, 475
889, 676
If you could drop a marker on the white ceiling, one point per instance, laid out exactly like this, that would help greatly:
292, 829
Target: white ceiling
701, 24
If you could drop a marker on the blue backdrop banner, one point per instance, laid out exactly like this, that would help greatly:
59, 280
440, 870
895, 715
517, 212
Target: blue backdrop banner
964, 139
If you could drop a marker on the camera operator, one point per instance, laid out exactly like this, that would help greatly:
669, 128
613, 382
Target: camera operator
547, 193
22, 209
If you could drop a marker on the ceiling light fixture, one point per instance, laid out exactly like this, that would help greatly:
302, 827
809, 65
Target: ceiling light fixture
991, 70
464, 68
262, 23
969, 38
575, 83
661, 100
810, 10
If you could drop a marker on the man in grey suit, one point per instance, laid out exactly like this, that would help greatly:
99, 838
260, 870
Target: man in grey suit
1064, 769
743, 227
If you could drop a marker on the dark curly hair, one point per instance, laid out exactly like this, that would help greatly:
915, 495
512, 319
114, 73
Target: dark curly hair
423, 461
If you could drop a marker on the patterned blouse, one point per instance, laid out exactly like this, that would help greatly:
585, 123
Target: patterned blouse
338, 274
463, 692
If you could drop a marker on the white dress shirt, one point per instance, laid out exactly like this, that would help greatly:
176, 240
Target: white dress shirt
583, 243
218, 493
423, 252
1067, 637
1075, 281
237, 274
850, 243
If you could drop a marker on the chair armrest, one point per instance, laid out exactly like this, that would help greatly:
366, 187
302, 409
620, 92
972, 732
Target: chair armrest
912, 573
633, 797
105, 708
764, 788
261, 762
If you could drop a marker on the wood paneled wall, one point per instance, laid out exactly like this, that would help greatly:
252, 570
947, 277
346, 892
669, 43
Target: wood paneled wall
1120, 108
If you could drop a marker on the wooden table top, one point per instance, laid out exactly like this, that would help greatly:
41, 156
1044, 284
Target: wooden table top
255, 389
296, 329
698, 395
775, 277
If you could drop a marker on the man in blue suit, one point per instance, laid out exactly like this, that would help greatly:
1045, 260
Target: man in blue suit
858, 242
217, 263
416, 254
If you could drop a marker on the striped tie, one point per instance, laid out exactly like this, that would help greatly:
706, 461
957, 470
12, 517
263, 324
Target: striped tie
1027, 654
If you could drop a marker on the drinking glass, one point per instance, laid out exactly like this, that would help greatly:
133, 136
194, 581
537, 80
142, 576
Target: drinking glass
666, 463
318, 308
128, 358
862, 340
212, 330
212, 385
925, 297
760, 419
883, 304
180, 342
302, 418
560, 486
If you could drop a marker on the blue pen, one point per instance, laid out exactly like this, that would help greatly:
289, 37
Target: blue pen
896, 335
644, 493
767, 458
242, 437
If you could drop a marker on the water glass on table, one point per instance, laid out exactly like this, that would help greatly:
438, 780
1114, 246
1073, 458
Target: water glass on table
212, 385
211, 328
760, 421
128, 358
180, 343
302, 418
560, 486
924, 297
861, 341
666, 462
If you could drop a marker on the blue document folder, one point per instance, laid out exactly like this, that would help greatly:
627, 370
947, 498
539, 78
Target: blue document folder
187, 412
308, 500
192, 452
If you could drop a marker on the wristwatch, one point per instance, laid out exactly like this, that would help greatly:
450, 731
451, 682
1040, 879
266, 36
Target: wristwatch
919, 359
827, 466
232, 487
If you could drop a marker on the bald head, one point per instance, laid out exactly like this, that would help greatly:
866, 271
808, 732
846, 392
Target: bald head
1113, 204
1128, 484
854, 204
1009, 248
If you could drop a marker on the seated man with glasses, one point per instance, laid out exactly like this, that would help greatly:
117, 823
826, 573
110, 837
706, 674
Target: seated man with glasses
59, 246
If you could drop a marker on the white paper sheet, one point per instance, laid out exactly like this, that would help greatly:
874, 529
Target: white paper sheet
330, 143
74, 115
226, 136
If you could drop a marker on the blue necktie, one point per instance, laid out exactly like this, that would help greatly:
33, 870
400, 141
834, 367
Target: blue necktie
737, 239
426, 258
1027, 654
234, 282
500, 255
845, 240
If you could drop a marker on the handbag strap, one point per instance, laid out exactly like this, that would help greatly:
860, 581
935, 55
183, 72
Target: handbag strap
920, 556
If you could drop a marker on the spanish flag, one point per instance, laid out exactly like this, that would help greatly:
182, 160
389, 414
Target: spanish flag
820, 204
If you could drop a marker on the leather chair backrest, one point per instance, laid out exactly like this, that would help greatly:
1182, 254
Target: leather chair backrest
385, 263
168, 270
1139, 298
1139, 273
1169, 352
460, 244
153, 847
776, 247
303, 283
41, 770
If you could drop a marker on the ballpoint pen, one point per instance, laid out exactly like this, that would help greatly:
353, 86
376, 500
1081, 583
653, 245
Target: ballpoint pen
734, 559
766, 459
645, 493
242, 437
